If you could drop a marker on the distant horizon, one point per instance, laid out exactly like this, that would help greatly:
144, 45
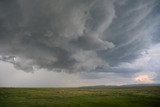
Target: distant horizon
123, 85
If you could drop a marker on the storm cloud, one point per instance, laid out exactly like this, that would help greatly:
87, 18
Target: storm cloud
77, 35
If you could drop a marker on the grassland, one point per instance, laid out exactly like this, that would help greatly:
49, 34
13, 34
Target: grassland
81, 97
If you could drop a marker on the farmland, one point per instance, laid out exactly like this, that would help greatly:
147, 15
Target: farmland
140, 96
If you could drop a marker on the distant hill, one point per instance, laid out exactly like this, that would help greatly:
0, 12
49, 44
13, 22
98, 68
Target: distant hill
111, 86
96, 86
130, 85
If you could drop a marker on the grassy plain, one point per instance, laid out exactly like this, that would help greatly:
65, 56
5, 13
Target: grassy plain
146, 96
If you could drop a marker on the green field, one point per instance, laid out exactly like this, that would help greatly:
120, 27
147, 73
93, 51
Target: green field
81, 97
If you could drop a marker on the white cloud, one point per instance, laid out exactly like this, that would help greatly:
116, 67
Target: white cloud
144, 78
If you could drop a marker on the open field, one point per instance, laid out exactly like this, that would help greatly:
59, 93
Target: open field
147, 96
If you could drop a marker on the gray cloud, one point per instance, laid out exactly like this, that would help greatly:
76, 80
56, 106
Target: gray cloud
75, 35
131, 31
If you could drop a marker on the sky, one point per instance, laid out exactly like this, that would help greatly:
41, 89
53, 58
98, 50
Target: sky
72, 43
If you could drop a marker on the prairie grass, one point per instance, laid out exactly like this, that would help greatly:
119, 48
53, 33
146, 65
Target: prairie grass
81, 97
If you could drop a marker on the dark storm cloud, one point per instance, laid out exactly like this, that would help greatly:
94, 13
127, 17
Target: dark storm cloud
75, 35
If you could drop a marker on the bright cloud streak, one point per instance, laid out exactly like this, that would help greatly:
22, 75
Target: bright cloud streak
144, 78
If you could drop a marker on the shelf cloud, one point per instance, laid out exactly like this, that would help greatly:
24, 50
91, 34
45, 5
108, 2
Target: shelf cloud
78, 35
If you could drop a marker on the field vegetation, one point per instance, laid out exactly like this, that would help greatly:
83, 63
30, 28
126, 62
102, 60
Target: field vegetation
146, 96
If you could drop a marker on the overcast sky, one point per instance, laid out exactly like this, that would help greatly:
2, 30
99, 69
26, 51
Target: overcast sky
63, 43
